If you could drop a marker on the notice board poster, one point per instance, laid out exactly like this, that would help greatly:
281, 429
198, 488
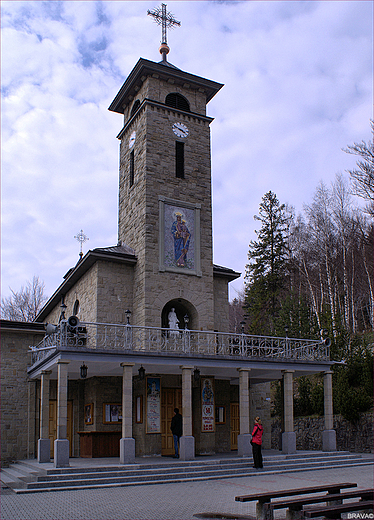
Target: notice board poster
153, 405
207, 404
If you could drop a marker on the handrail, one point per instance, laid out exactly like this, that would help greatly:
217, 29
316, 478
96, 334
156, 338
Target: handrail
124, 338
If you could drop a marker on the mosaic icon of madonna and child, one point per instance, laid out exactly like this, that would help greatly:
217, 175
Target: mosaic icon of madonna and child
179, 237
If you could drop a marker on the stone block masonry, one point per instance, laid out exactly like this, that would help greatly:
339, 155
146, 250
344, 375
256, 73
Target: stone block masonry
18, 396
356, 438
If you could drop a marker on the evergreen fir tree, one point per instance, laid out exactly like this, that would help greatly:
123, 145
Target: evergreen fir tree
266, 272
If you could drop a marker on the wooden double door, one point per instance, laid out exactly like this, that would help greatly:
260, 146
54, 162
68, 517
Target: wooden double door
170, 398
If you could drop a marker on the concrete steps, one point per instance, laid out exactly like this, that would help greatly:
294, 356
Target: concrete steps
26, 477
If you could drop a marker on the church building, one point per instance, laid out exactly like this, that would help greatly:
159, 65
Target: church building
140, 328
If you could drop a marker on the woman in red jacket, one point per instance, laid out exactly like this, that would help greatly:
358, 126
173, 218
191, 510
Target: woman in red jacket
256, 443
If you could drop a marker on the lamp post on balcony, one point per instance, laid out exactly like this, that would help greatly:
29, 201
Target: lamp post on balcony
62, 314
242, 323
62, 337
186, 320
128, 338
186, 333
286, 342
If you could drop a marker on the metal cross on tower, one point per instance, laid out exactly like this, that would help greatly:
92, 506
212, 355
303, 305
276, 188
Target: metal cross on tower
82, 238
164, 18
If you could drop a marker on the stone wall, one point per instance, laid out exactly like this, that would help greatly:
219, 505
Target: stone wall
356, 438
221, 304
18, 393
85, 290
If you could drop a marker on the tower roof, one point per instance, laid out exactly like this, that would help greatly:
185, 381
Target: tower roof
164, 70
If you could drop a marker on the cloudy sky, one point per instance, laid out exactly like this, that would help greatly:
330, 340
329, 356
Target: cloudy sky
298, 88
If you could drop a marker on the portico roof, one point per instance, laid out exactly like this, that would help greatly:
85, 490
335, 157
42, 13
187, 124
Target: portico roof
102, 363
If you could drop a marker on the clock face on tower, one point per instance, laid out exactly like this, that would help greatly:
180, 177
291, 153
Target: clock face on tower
180, 130
132, 139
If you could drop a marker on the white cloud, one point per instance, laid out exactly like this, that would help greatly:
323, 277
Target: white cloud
298, 88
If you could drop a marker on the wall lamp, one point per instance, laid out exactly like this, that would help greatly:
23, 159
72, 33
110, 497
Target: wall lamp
83, 370
141, 372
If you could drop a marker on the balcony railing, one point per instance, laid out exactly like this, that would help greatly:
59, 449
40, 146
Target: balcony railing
128, 338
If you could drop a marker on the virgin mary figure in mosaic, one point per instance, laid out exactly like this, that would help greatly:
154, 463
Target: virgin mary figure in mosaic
181, 236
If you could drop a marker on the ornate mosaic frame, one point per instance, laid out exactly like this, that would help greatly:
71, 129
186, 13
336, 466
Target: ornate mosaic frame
179, 237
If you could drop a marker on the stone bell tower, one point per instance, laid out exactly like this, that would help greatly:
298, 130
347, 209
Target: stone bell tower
165, 206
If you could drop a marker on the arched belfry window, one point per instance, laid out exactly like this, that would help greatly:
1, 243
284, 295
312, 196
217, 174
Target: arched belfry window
135, 107
178, 101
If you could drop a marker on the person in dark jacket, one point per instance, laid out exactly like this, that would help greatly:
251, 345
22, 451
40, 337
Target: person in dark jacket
176, 429
256, 443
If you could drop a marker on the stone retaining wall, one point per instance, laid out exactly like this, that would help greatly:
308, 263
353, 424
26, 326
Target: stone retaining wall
356, 438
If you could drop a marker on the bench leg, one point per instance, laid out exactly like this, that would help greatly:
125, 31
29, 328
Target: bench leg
294, 514
263, 511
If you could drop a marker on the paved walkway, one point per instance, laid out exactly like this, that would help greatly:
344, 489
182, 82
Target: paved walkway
182, 501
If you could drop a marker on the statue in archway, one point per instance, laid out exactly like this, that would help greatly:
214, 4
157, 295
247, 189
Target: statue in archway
173, 321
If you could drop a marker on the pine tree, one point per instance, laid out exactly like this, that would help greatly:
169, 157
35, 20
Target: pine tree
266, 272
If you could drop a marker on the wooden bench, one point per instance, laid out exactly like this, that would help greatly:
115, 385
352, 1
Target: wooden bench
335, 511
295, 506
263, 511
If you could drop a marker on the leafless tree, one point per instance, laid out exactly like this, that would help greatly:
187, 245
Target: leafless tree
363, 176
236, 312
25, 304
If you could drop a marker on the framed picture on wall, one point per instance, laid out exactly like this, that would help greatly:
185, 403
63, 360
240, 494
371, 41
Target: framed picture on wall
112, 413
88, 413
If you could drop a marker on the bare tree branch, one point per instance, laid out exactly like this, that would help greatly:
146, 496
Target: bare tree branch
25, 304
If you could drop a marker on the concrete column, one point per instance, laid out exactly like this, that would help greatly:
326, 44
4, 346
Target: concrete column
187, 441
61, 458
127, 442
244, 437
44, 444
288, 436
329, 434
32, 429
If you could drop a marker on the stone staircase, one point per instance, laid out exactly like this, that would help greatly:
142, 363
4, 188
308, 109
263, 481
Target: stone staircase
30, 477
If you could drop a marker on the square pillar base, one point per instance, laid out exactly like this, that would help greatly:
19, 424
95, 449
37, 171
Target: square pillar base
127, 450
44, 450
61, 459
244, 445
187, 447
288, 442
329, 440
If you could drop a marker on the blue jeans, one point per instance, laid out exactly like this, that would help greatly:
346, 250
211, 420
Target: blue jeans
176, 445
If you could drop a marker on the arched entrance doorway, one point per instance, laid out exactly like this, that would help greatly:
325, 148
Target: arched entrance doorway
184, 310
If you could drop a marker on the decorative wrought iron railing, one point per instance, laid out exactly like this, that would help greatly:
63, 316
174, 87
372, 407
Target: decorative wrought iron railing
128, 338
